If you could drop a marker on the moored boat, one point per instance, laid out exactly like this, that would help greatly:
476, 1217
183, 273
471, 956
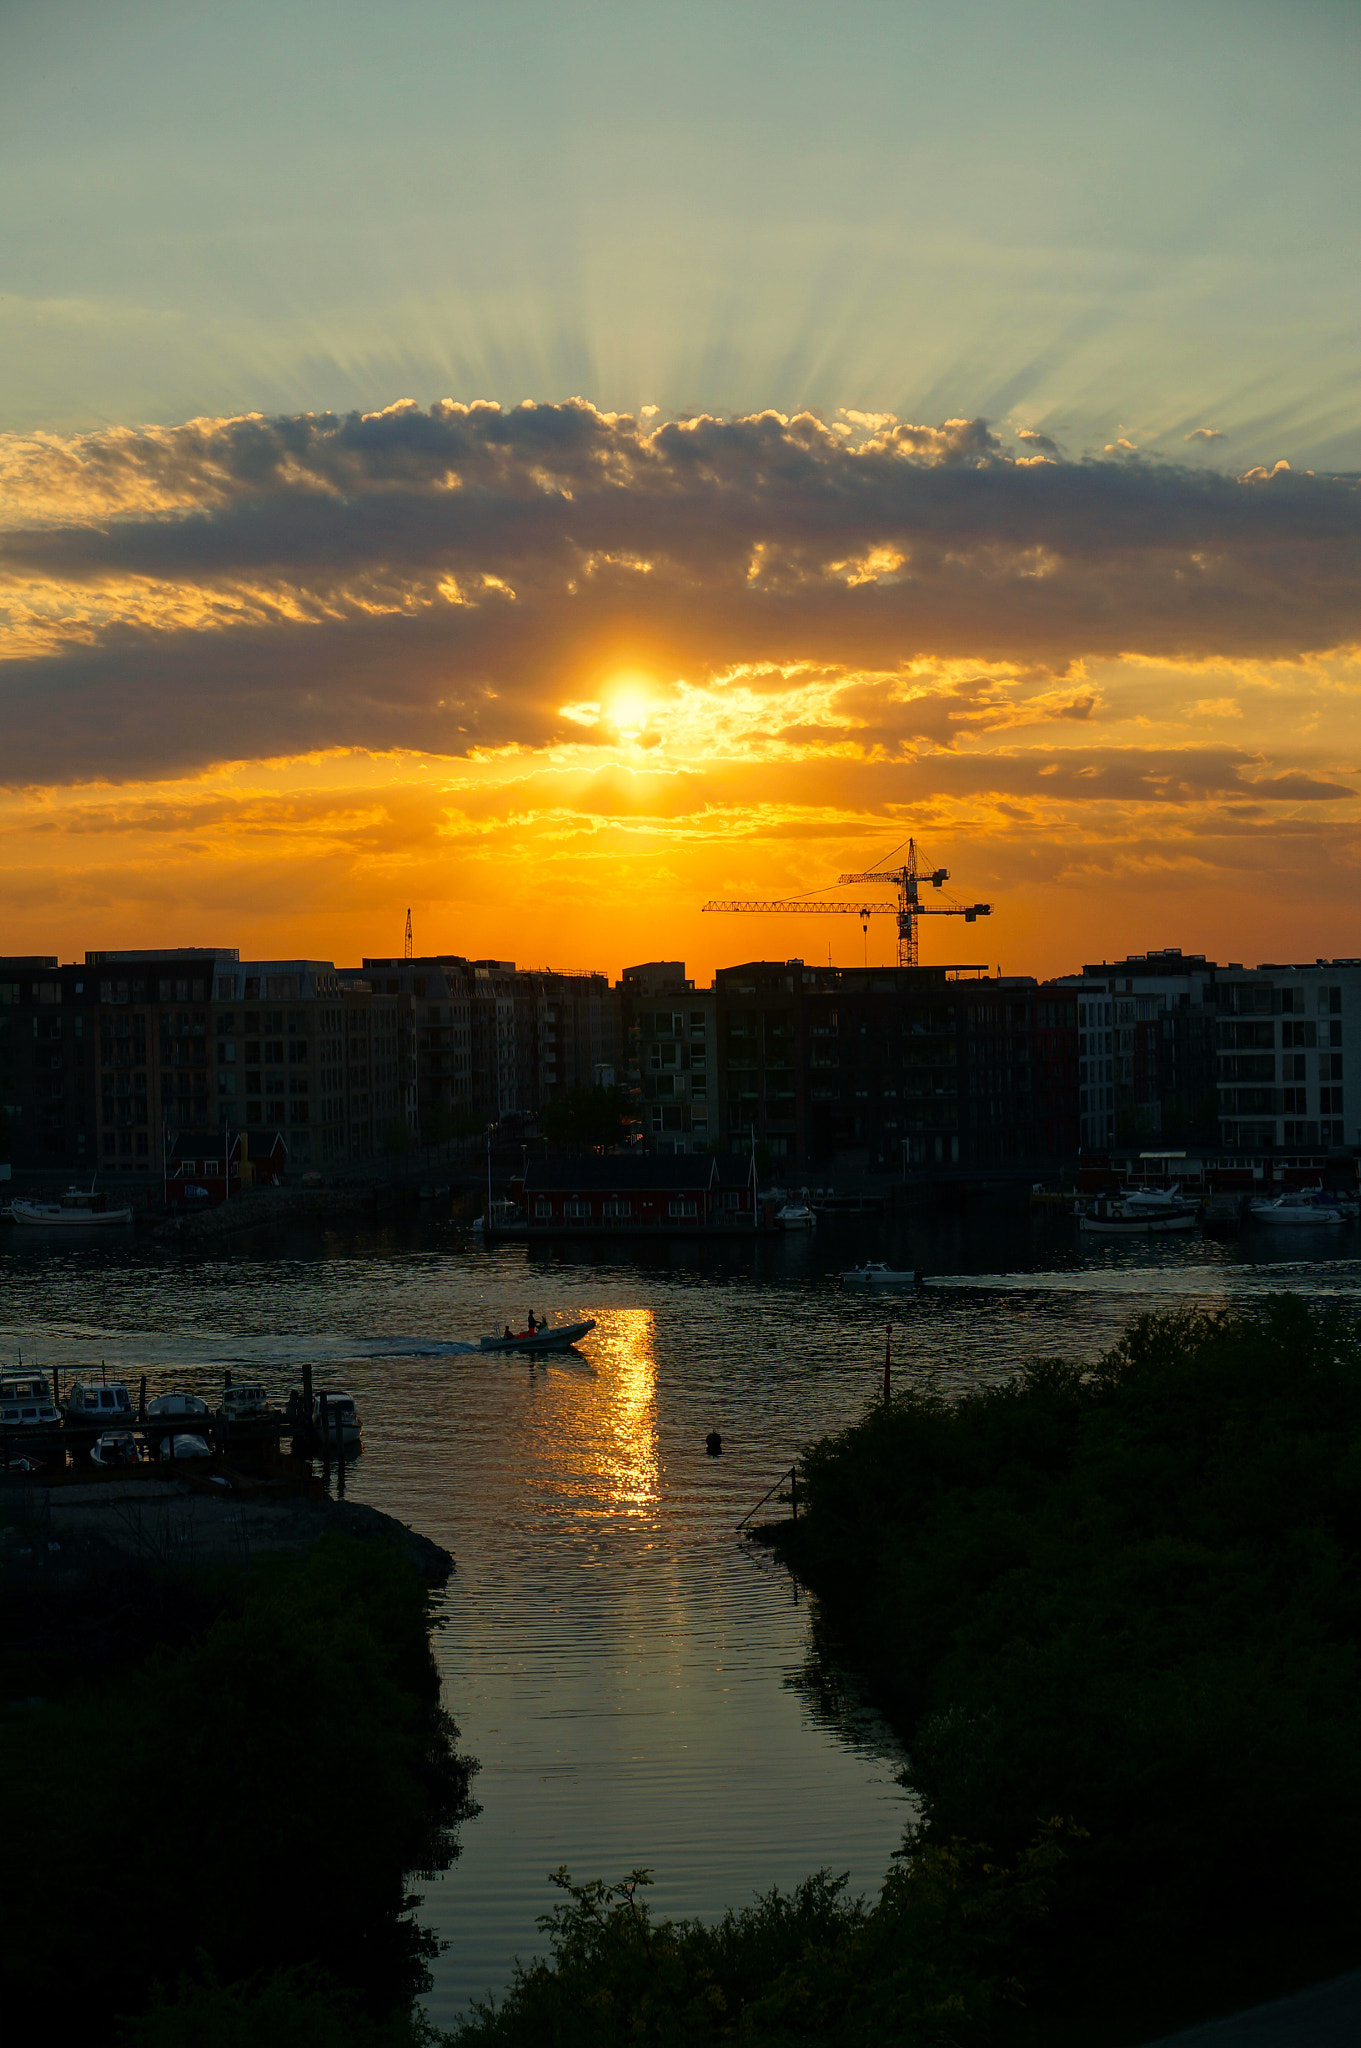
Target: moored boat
101, 1402
1115, 1217
180, 1406
505, 1215
1297, 1206
336, 1421
184, 1444
244, 1403
119, 1448
77, 1206
26, 1402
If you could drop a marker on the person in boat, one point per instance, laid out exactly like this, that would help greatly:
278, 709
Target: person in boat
533, 1324
508, 1334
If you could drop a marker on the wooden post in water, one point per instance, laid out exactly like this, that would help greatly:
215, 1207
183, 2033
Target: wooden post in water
325, 1432
888, 1362
308, 1430
141, 1401
794, 1490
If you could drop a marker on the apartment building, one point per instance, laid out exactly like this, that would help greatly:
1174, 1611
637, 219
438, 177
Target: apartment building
1146, 1052
278, 1055
579, 1046
1288, 1055
157, 1069
380, 1037
48, 1063
435, 990
668, 1038
918, 1068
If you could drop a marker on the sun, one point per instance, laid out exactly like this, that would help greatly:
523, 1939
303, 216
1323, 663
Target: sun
628, 699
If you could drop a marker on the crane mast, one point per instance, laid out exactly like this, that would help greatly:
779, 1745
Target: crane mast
907, 880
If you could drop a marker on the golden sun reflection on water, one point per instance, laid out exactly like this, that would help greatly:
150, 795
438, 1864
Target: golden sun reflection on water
624, 1353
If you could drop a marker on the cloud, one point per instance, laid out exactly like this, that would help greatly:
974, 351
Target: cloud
1203, 434
1037, 440
446, 580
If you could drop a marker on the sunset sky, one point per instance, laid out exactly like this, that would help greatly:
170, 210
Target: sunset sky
547, 466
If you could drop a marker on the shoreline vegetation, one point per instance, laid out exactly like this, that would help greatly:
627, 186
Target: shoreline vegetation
215, 1782
1116, 1614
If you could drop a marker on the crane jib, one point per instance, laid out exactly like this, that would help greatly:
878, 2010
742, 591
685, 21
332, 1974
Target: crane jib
907, 909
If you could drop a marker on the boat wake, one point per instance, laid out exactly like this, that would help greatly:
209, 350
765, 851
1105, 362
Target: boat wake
1317, 1275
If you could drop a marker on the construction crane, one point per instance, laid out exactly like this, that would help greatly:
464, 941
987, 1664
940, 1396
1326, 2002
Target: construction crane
907, 880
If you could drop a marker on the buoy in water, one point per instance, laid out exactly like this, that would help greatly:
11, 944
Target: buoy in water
713, 1444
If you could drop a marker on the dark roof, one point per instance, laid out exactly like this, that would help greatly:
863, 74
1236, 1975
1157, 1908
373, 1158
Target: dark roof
201, 1144
735, 1169
629, 1172
260, 1142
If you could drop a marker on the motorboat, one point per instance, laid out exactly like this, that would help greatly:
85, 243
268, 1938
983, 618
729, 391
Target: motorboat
795, 1215
119, 1448
178, 1406
1114, 1216
543, 1337
98, 1401
336, 1421
505, 1215
1149, 1201
874, 1273
244, 1403
77, 1205
1296, 1206
184, 1445
26, 1402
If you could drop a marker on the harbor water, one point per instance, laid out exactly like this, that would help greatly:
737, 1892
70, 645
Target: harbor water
633, 1677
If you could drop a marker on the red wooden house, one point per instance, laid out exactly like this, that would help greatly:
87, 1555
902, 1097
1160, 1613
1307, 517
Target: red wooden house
629, 1191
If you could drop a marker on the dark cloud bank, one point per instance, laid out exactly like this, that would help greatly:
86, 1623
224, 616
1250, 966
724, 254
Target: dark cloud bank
448, 578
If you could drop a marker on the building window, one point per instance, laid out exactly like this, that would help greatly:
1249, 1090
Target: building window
683, 1205
620, 1206
579, 1211
543, 1209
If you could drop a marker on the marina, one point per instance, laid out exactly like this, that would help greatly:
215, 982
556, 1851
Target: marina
638, 1683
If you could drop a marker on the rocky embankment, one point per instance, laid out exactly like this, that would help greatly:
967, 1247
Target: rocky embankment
266, 1208
168, 1523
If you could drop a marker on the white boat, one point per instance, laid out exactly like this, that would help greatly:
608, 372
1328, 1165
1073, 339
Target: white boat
101, 1401
119, 1447
242, 1404
1297, 1206
77, 1205
1113, 1217
795, 1215
544, 1337
1156, 1201
874, 1273
504, 1215
338, 1421
184, 1445
26, 1402
178, 1405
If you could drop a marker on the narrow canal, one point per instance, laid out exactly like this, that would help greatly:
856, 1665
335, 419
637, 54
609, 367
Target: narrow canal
631, 1675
